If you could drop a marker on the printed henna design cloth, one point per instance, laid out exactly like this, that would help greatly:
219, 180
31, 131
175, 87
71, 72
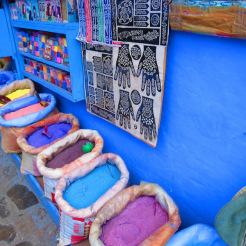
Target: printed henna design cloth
125, 80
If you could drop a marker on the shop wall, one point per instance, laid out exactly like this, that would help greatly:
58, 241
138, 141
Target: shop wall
200, 158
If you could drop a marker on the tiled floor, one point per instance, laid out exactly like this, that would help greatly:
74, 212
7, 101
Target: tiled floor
23, 220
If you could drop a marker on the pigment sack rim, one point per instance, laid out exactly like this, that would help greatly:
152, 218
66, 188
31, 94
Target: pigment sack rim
118, 203
82, 171
15, 85
57, 147
60, 117
25, 102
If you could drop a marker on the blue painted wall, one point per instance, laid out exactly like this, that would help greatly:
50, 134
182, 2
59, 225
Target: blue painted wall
200, 158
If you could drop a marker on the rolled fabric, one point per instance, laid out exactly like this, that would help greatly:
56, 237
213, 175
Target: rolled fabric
17, 89
123, 199
33, 140
73, 218
52, 174
198, 235
230, 221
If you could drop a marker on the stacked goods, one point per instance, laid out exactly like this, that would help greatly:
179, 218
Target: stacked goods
6, 77
139, 215
42, 134
80, 194
45, 45
15, 116
44, 10
53, 75
223, 18
16, 90
67, 154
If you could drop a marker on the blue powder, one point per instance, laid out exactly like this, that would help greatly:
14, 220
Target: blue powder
55, 131
84, 191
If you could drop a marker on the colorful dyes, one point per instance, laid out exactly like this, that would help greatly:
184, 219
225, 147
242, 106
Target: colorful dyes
24, 111
68, 155
54, 132
17, 94
86, 190
135, 223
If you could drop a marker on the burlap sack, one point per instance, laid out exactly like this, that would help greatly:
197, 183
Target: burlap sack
12, 129
17, 85
75, 223
51, 175
29, 153
122, 199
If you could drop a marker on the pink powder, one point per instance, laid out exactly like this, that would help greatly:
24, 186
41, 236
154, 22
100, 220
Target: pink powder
135, 223
24, 111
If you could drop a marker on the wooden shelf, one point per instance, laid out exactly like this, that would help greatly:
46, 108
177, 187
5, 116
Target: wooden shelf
50, 63
55, 27
50, 86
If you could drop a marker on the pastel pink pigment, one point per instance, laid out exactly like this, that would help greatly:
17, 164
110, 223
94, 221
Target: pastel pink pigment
135, 223
24, 111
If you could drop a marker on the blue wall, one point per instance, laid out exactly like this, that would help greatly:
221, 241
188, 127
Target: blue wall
200, 158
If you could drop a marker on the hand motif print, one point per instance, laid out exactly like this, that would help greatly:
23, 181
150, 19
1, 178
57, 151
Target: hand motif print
123, 65
125, 110
150, 73
147, 119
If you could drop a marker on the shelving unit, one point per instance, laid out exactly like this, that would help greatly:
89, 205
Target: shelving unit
37, 189
75, 64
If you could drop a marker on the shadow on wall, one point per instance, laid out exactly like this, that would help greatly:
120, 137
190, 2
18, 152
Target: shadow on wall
200, 156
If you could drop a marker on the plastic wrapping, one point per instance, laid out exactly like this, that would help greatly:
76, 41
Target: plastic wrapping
51, 175
199, 235
12, 129
75, 223
17, 85
222, 18
29, 153
122, 199
230, 221
6, 77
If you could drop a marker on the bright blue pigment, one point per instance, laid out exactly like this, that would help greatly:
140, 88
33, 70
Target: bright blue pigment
55, 131
84, 191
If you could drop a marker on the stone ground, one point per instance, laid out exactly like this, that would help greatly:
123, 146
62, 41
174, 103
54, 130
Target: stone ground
23, 220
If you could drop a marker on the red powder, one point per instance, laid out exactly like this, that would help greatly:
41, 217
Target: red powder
24, 111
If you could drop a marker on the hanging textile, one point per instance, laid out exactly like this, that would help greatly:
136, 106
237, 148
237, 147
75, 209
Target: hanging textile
125, 47
217, 17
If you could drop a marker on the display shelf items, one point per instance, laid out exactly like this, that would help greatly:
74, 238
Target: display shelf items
44, 10
49, 46
50, 74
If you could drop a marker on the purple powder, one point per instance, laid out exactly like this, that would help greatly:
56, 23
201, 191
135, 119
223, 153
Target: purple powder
135, 223
68, 155
55, 131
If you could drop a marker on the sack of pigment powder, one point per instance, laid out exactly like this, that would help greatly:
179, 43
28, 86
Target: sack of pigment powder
23, 112
39, 136
16, 90
67, 154
139, 215
81, 193
198, 234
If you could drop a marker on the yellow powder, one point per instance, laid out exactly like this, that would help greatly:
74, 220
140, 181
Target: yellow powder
16, 94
